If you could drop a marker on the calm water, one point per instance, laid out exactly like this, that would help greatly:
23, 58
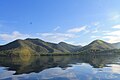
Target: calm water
97, 67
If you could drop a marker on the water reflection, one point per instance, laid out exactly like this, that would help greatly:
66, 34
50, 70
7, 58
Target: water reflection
61, 67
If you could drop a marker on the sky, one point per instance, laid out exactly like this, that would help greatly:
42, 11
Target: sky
76, 22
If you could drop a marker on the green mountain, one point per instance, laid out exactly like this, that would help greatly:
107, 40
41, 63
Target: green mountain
30, 46
69, 47
97, 45
35, 47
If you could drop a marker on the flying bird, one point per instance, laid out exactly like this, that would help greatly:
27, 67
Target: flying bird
30, 22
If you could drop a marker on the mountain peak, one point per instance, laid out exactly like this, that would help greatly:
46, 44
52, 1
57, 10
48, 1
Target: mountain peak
98, 40
62, 43
32, 39
36, 46
98, 45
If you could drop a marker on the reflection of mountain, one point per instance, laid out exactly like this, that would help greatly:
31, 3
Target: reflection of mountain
37, 64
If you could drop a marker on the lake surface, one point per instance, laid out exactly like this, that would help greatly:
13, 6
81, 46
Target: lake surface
87, 67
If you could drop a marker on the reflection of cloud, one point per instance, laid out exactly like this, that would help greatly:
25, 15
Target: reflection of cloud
6, 74
115, 68
56, 72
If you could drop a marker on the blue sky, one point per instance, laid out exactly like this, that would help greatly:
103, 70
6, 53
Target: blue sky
74, 21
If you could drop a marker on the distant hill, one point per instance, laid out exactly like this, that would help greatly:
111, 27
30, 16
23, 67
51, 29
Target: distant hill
69, 47
97, 45
35, 47
116, 45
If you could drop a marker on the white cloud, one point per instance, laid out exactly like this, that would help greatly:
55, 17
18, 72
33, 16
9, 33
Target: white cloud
112, 39
77, 29
58, 27
112, 36
115, 17
13, 36
116, 27
113, 33
56, 37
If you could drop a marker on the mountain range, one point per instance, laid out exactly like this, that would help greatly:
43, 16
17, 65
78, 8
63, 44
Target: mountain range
37, 46
117, 45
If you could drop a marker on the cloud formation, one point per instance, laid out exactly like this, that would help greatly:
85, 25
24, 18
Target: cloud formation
116, 26
14, 35
113, 33
77, 29
113, 36
56, 37
115, 17
112, 39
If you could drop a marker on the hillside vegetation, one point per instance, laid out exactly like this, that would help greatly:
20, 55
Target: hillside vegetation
29, 47
35, 47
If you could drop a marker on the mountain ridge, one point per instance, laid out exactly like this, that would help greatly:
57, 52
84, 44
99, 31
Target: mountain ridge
97, 45
37, 46
117, 45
